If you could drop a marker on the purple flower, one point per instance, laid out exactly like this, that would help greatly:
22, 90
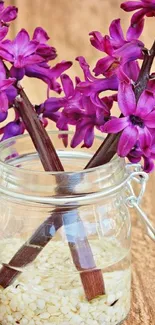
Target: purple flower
93, 86
137, 122
79, 111
143, 8
21, 52
6, 91
48, 75
6, 15
131, 70
120, 50
12, 129
44, 50
136, 154
93, 116
3, 116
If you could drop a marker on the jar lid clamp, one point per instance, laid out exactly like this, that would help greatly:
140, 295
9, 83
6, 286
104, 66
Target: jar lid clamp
133, 201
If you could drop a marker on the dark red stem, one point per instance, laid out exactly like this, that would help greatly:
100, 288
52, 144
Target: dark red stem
38, 134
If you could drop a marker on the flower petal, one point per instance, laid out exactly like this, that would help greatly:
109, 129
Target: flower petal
89, 137
115, 125
89, 88
135, 154
108, 48
135, 31
150, 120
148, 165
145, 137
4, 84
68, 86
97, 40
116, 32
132, 70
3, 116
40, 35
52, 116
130, 51
38, 71
101, 43
127, 141
47, 52
1, 6
131, 5
11, 93
9, 14
145, 141
53, 104
78, 136
2, 71
12, 129
103, 65
59, 68
21, 40
3, 102
17, 73
62, 123
6, 55
145, 104
126, 99
86, 68
138, 16
3, 32
122, 75
30, 48
42, 72
32, 59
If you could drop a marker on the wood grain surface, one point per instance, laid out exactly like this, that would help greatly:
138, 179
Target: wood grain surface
69, 22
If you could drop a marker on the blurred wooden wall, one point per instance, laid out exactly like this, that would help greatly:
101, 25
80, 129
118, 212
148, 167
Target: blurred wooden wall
69, 22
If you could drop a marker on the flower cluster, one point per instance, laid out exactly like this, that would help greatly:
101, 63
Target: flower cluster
143, 8
85, 104
27, 58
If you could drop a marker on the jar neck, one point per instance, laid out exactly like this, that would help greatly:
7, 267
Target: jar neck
21, 173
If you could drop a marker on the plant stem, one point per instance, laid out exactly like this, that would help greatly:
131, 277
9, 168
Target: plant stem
108, 148
91, 278
144, 74
38, 134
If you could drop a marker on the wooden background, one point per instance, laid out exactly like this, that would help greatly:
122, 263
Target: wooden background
69, 23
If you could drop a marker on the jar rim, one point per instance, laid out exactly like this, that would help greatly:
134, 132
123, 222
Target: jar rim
10, 167
52, 187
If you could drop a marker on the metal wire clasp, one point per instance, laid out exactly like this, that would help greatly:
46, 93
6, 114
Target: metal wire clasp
133, 201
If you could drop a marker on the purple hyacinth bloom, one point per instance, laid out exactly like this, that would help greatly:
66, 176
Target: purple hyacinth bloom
137, 123
44, 50
79, 111
142, 7
93, 86
136, 154
21, 52
6, 15
48, 75
11, 93
119, 50
3, 116
5, 85
12, 129
93, 116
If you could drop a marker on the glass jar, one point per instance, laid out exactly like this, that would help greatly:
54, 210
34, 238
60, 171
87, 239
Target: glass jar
57, 229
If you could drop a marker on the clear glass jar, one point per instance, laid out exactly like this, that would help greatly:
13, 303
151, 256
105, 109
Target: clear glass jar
49, 290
